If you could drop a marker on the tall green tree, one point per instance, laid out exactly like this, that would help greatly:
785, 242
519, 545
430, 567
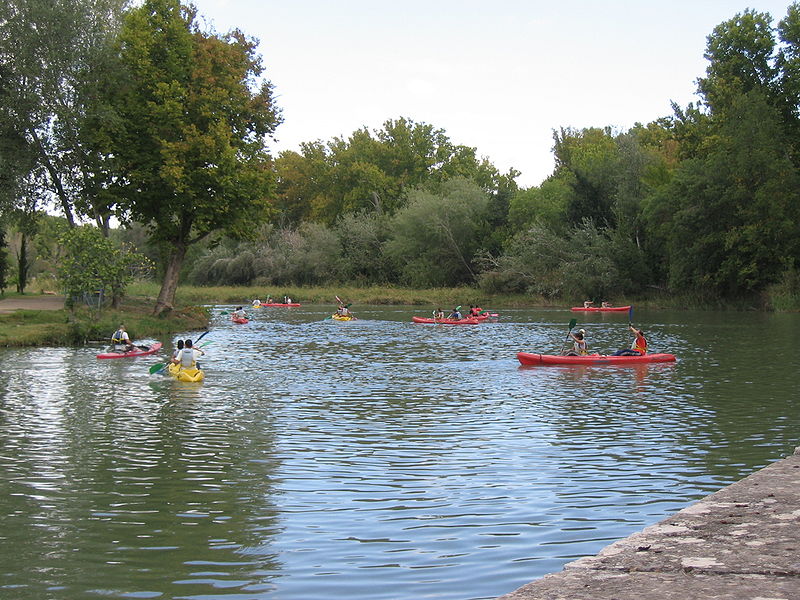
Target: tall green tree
436, 237
375, 170
49, 51
187, 132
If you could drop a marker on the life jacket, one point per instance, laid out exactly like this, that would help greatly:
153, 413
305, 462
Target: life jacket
639, 344
581, 347
186, 358
118, 337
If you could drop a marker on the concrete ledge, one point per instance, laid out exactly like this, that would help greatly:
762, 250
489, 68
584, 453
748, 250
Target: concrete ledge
740, 542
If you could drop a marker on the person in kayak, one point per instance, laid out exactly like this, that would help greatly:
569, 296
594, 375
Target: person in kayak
455, 315
178, 348
638, 347
587, 303
474, 311
579, 345
344, 310
605, 304
438, 314
256, 303
121, 340
269, 299
239, 313
187, 357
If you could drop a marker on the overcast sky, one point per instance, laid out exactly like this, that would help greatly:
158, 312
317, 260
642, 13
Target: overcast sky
498, 76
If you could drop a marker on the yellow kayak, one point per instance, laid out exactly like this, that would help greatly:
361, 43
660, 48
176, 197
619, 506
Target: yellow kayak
336, 317
190, 374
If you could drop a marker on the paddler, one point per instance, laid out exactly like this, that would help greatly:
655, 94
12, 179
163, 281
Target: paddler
579, 345
187, 357
455, 315
638, 347
121, 340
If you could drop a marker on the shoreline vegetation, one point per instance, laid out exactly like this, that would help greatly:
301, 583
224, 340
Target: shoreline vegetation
84, 325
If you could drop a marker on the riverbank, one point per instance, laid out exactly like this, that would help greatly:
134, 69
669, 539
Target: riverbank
42, 320
740, 542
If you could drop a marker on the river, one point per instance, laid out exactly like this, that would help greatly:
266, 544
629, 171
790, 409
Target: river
376, 459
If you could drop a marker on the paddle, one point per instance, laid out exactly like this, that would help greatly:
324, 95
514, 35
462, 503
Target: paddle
572, 323
630, 316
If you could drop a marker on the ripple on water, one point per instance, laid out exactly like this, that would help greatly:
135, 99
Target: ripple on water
319, 458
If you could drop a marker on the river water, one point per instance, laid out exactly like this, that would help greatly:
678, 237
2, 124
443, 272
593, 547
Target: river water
376, 459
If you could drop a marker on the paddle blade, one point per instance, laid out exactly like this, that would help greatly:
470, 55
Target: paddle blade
572, 323
630, 315
157, 367
202, 335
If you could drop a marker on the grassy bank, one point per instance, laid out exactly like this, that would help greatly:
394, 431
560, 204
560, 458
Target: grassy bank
66, 328
376, 295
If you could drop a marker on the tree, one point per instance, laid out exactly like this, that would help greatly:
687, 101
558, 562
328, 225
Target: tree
592, 157
374, 171
186, 133
93, 263
436, 237
49, 50
3, 262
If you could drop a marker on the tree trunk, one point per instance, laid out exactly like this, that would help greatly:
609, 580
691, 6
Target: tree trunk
169, 285
22, 264
66, 206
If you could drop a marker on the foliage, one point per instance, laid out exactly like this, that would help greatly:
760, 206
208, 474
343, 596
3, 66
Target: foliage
362, 238
50, 50
540, 261
3, 262
185, 132
92, 263
374, 171
436, 236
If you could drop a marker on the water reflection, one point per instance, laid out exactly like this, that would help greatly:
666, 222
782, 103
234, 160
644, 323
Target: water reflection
319, 458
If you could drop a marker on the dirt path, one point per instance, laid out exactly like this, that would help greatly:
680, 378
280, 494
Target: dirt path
45, 302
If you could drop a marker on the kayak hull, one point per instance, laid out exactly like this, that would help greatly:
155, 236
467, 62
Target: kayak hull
151, 349
280, 304
343, 318
528, 358
240, 320
600, 309
192, 375
445, 321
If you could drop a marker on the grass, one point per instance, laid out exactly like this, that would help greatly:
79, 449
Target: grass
63, 327
375, 295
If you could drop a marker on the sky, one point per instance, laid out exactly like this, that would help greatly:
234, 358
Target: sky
498, 76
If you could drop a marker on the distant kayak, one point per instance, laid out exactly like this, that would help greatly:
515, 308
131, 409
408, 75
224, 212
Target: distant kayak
336, 317
140, 351
280, 304
469, 321
527, 358
240, 320
601, 309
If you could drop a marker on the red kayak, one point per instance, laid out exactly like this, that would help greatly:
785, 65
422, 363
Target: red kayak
527, 358
240, 320
601, 309
468, 321
280, 304
140, 351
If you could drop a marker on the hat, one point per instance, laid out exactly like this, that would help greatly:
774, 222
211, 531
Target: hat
583, 331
